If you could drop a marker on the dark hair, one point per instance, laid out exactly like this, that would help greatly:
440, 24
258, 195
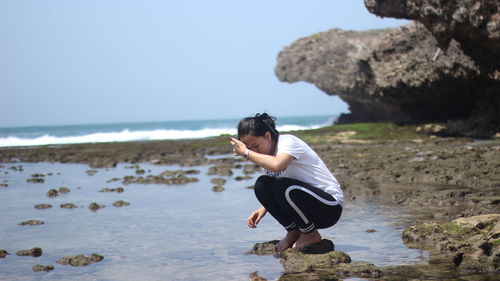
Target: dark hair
258, 126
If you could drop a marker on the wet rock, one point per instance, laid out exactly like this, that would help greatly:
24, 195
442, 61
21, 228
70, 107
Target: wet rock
43, 206
68, 206
94, 206
322, 247
121, 203
64, 190
294, 261
470, 243
46, 268
113, 179
218, 188
250, 169
177, 173
52, 193
371, 230
117, 190
36, 178
269, 248
3, 253
91, 172
250, 187
218, 181
140, 172
103, 163
35, 252
320, 262
264, 248
178, 177
31, 222
220, 170
80, 260
240, 178
359, 269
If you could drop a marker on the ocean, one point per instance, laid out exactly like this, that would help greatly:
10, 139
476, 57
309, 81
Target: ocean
122, 132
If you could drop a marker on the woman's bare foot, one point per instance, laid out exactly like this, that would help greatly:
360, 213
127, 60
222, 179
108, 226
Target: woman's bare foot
287, 242
307, 239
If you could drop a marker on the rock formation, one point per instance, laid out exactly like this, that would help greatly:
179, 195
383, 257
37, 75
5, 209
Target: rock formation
475, 25
408, 74
471, 243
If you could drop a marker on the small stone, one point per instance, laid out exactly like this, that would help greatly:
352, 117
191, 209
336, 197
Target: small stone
46, 268
3, 253
94, 206
240, 178
218, 181
117, 190
52, 193
80, 260
31, 222
35, 252
370, 230
68, 206
64, 190
91, 172
43, 206
121, 203
140, 172
218, 188
36, 180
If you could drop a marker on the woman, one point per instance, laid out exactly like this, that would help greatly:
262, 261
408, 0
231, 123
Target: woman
298, 190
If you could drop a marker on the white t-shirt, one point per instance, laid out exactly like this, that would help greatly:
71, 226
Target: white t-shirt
307, 166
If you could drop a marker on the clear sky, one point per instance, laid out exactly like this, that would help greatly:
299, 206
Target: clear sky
103, 61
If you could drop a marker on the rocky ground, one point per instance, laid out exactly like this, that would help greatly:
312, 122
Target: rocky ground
450, 184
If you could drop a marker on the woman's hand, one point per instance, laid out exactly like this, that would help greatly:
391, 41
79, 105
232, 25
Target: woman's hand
255, 217
239, 147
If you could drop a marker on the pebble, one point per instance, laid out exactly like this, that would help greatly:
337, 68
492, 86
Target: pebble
31, 222
94, 206
121, 203
218, 188
3, 253
80, 260
68, 206
52, 193
43, 206
34, 252
46, 268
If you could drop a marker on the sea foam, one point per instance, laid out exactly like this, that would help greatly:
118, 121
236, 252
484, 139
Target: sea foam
124, 135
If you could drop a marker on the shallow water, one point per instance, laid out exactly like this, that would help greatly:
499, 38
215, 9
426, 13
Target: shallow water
185, 232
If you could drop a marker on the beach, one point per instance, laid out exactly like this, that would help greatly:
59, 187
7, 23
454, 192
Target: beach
182, 205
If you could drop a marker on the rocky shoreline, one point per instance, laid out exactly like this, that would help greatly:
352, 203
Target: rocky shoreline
443, 180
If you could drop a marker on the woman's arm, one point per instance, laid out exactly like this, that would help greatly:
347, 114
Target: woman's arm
256, 216
271, 163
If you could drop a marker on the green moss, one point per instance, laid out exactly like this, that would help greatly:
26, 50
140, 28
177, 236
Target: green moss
454, 229
362, 131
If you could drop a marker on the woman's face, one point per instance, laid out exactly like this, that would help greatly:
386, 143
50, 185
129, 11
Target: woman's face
262, 144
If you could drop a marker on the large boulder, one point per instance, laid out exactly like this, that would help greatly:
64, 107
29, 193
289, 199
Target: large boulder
400, 75
471, 243
317, 262
475, 24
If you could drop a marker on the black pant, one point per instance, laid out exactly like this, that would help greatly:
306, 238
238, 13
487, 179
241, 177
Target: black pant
295, 204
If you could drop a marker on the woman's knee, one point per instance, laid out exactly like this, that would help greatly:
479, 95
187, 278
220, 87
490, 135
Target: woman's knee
263, 184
